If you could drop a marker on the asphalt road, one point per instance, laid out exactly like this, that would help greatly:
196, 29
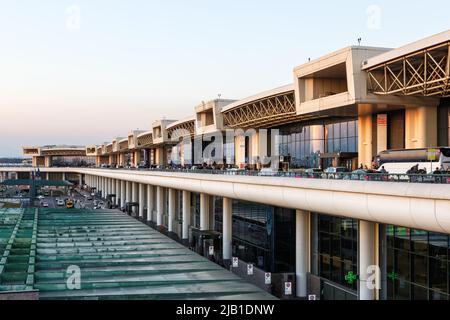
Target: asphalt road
79, 196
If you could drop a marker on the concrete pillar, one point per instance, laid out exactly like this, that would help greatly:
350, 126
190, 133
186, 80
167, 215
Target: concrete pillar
134, 194
128, 193
186, 214
301, 251
227, 228
204, 211
48, 161
150, 204
172, 202
365, 140
159, 205
366, 255
420, 127
137, 158
122, 194
141, 199
117, 192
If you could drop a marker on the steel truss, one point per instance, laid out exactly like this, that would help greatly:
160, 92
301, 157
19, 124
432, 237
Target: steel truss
181, 130
267, 112
145, 141
422, 73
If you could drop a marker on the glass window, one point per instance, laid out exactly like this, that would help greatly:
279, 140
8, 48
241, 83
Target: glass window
402, 290
438, 275
344, 131
417, 264
344, 146
351, 129
438, 245
402, 264
420, 269
402, 238
337, 250
420, 293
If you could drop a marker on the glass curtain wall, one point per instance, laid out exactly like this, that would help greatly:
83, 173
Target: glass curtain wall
417, 264
335, 249
305, 143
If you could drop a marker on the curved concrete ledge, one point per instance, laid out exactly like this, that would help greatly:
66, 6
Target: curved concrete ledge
420, 206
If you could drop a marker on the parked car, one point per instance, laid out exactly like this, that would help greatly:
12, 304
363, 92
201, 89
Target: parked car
334, 173
313, 172
364, 174
268, 172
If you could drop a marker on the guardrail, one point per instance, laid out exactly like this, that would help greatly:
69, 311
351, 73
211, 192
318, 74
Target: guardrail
443, 178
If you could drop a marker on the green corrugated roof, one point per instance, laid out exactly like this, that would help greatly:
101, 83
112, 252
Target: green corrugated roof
39, 183
119, 258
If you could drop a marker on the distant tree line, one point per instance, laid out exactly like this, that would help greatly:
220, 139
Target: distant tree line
12, 160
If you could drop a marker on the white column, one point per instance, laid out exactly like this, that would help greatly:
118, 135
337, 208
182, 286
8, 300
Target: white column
134, 194
128, 193
204, 211
150, 204
122, 193
227, 228
117, 192
141, 199
172, 197
301, 251
186, 214
366, 255
159, 205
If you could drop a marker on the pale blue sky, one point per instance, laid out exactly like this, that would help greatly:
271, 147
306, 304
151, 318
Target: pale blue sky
132, 62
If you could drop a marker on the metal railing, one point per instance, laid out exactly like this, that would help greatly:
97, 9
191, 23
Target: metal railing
442, 178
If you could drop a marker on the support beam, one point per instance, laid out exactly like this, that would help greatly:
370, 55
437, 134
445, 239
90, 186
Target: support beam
122, 193
227, 228
150, 203
186, 214
366, 255
141, 199
117, 192
204, 211
128, 192
159, 205
301, 251
135, 195
172, 201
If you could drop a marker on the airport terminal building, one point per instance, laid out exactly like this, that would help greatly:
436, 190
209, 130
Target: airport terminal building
300, 234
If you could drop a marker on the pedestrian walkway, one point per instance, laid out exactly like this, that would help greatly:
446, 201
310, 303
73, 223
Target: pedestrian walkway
118, 258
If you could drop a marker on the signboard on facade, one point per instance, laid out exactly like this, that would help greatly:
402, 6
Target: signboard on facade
235, 262
250, 269
431, 154
268, 278
287, 288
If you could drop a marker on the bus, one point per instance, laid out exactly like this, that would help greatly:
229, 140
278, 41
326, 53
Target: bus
400, 161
